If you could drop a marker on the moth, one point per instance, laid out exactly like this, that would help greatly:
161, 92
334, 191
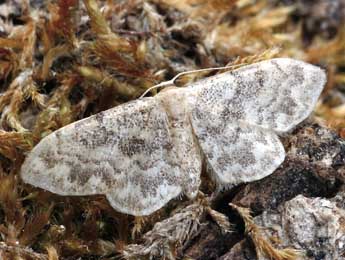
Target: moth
144, 153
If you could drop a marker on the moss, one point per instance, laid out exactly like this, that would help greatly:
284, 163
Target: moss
63, 60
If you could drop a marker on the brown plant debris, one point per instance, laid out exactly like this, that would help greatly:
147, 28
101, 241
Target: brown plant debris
167, 235
262, 245
64, 60
15, 252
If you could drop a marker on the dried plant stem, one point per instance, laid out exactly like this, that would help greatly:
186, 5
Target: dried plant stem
117, 52
265, 55
220, 219
11, 101
51, 55
57, 111
100, 27
168, 234
262, 245
96, 75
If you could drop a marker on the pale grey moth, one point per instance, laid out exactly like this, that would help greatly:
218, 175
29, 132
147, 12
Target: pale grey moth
144, 153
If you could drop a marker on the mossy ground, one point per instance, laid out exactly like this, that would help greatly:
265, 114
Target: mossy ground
64, 60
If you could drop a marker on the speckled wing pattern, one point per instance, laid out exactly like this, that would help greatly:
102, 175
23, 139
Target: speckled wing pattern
144, 153
136, 154
238, 114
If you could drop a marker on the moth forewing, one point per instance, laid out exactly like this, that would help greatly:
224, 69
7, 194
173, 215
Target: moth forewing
140, 155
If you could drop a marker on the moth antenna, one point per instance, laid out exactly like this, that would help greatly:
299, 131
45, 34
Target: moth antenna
162, 84
172, 81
